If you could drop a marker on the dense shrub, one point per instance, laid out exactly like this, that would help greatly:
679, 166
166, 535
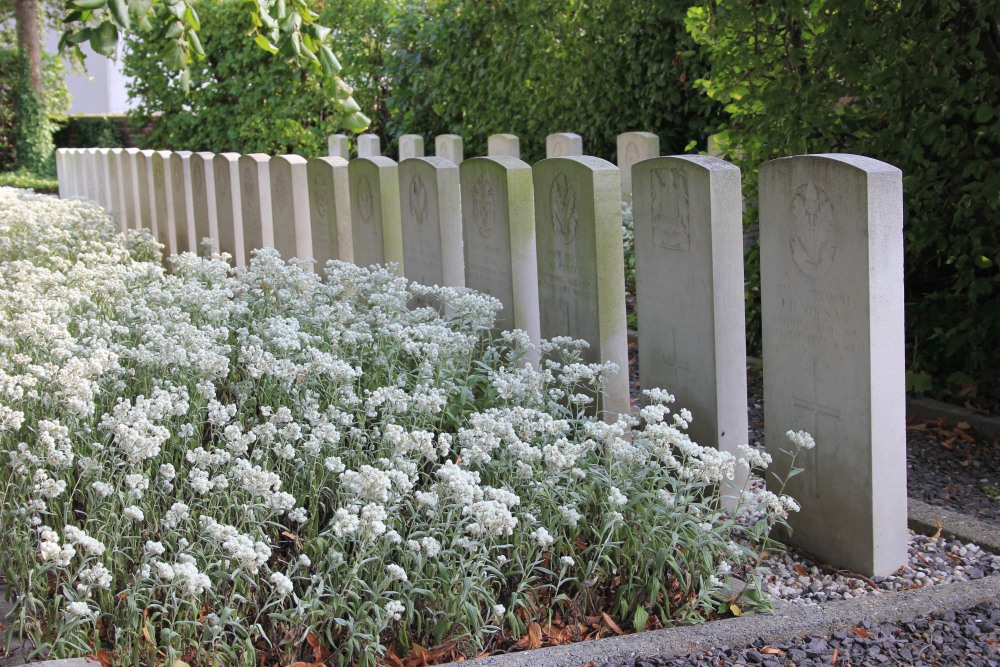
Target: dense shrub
50, 109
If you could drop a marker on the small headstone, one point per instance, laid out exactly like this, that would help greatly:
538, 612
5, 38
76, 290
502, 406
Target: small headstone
831, 256
290, 207
563, 144
338, 146
115, 178
144, 177
163, 201
228, 207
204, 208
255, 198
635, 147
498, 231
376, 230
330, 210
369, 145
431, 213
581, 266
130, 185
689, 293
183, 201
410, 145
450, 147
499, 145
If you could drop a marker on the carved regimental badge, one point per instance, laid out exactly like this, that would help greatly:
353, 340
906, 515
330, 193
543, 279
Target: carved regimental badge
562, 198
418, 200
671, 211
366, 204
482, 205
631, 154
813, 231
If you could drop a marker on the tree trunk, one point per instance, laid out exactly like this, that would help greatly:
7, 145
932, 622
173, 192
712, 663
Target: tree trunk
26, 14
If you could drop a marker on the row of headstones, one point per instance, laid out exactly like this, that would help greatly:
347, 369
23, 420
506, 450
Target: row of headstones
547, 241
633, 147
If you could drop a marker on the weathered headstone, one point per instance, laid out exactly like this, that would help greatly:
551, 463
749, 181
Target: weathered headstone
62, 173
376, 230
117, 186
183, 201
338, 146
831, 237
450, 147
563, 144
228, 207
431, 213
90, 186
130, 186
290, 207
498, 231
330, 210
163, 201
581, 273
203, 201
499, 145
369, 145
410, 145
635, 147
103, 178
255, 197
689, 293
144, 175
76, 159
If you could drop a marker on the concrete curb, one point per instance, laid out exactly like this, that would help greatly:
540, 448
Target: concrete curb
953, 525
987, 426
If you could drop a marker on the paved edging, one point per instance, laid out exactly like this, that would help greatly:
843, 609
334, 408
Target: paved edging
953, 525
987, 426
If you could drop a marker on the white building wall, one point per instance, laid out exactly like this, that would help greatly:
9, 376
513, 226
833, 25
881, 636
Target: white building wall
99, 90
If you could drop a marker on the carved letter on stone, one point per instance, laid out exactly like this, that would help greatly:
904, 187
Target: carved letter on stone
562, 197
813, 232
482, 205
671, 211
418, 200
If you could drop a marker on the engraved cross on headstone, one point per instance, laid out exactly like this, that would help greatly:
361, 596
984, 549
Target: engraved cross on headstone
813, 410
674, 363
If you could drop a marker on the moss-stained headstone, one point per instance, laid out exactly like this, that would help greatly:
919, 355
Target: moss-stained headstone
498, 230
581, 275
228, 208
290, 207
831, 255
376, 230
330, 210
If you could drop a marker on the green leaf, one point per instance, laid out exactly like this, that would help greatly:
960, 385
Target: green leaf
195, 42
119, 12
356, 122
174, 30
173, 56
984, 114
104, 39
639, 619
87, 4
191, 16
265, 44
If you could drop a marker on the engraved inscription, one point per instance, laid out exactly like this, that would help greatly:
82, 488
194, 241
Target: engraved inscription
674, 366
198, 178
282, 191
811, 410
558, 148
631, 153
418, 200
445, 152
813, 242
483, 209
319, 199
670, 209
247, 183
565, 217
366, 203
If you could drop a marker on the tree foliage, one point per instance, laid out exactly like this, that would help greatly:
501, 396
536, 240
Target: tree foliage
916, 84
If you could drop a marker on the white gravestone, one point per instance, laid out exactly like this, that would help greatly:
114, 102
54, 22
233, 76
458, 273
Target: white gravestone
144, 176
500, 145
410, 145
369, 145
163, 201
228, 207
62, 173
76, 159
255, 199
376, 230
103, 178
635, 147
689, 294
563, 144
498, 231
90, 187
450, 147
831, 237
290, 207
431, 215
116, 179
130, 184
203, 201
183, 201
338, 146
581, 274
330, 210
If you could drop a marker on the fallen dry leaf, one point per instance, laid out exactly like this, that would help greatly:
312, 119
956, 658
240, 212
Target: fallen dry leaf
735, 609
800, 568
861, 632
611, 624
937, 522
772, 650
534, 635
836, 654
320, 652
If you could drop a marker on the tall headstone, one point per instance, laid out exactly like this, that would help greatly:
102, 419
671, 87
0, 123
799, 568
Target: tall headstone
369, 145
79, 188
183, 201
431, 213
290, 207
634, 147
130, 185
203, 201
62, 173
581, 266
144, 176
376, 230
498, 145
255, 197
103, 178
410, 145
163, 201
498, 232
689, 293
337, 146
117, 189
831, 238
450, 147
563, 144
228, 207
330, 210
90, 186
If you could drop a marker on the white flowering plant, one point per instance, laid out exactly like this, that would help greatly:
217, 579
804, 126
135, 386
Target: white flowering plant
209, 464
